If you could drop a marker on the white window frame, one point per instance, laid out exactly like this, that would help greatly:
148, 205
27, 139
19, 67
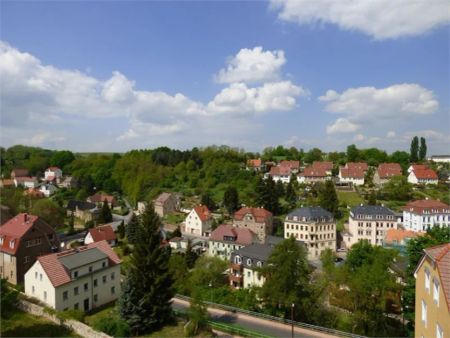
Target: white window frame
439, 331
436, 291
427, 280
424, 313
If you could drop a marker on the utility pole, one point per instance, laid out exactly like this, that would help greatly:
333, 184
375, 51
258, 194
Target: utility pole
292, 319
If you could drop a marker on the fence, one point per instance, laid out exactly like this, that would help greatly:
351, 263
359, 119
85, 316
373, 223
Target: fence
277, 319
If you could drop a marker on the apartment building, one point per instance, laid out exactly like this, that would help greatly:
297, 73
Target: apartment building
226, 239
258, 220
421, 215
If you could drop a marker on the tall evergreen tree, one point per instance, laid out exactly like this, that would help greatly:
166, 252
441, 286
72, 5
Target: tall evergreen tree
423, 149
145, 302
271, 203
190, 255
105, 214
279, 189
207, 200
261, 192
414, 152
131, 230
291, 196
328, 198
121, 230
231, 199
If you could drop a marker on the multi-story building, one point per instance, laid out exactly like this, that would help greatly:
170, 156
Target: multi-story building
313, 174
85, 211
165, 204
244, 265
423, 176
433, 293
101, 233
225, 239
53, 174
385, 172
370, 222
314, 226
353, 173
198, 222
100, 198
255, 164
258, 220
293, 165
279, 173
424, 214
78, 279
22, 239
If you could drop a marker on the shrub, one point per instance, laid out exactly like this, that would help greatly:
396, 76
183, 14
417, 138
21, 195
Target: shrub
115, 328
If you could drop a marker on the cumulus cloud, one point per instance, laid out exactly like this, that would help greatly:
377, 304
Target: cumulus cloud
252, 65
380, 19
342, 125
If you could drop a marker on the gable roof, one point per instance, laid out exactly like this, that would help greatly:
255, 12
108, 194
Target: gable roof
103, 232
227, 233
260, 252
414, 167
310, 213
19, 172
22, 179
312, 171
425, 174
203, 212
163, 197
256, 162
59, 274
353, 172
53, 168
357, 166
427, 206
13, 231
280, 171
290, 164
388, 170
399, 235
372, 210
327, 165
99, 198
260, 214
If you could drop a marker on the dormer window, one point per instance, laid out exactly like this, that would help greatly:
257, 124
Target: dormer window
259, 264
237, 260
1, 240
11, 244
249, 261
75, 274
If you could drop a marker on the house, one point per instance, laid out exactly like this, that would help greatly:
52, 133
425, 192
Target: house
352, 175
6, 183
432, 306
255, 164
370, 222
314, 226
47, 189
141, 206
83, 210
357, 166
165, 204
414, 167
440, 158
279, 173
324, 165
244, 265
78, 279
313, 174
101, 233
293, 165
398, 238
198, 221
99, 198
53, 174
69, 182
385, 172
225, 239
180, 244
258, 220
26, 182
19, 173
22, 239
421, 215
423, 176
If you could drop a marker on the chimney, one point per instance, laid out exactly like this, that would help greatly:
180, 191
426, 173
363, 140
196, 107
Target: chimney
25, 218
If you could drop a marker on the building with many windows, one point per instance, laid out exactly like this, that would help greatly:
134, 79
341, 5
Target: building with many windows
226, 239
258, 220
198, 222
433, 293
421, 215
78, 279
314, 226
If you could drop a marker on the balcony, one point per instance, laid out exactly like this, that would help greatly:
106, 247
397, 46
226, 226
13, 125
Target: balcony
237, 267
235, 278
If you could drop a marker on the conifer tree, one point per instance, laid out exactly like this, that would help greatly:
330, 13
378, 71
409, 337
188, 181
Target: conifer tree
261, 192
145, 301
422, 149
291, 197
131, 230
105, 214
231, 199
414, 155
190, 256
328, 198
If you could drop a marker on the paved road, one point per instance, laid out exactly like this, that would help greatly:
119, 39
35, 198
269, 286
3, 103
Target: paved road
264, 326
127, 218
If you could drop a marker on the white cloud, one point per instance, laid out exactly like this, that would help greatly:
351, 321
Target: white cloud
371, 104
359, 137
428, 134
391, 134
342, 125
252, 65
380, 19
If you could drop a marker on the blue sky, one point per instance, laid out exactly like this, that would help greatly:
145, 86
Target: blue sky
113, 76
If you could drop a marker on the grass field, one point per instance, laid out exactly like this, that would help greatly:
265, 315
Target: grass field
351, 198
22, 324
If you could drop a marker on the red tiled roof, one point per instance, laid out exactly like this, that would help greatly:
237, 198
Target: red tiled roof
33, 192
15, 229
241, 236
103, 232
352, 172
399, 234
98, 198
254, 162
415, 167
53, 168
428, 206
19, 172
25, 179
388, 170
425, 174
7, 182
260, 214
203, 212
357, 166
280, 171
441, 257
56, 271
322, 165
290, 164
312, 171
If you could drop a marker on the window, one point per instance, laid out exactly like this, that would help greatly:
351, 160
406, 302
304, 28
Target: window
103, 264
249, 261
40, 276
113, 290
424, 313
75, 306
1, 240
95, 298
65, 295
86, 286
75, 274
112, 276
36, 274
436, 291
95, 283
76, 291
427, 280
90, 269
32, 289
439, 331
45, 295
104, 279
248, 274
237, 260
259, 264
11, 244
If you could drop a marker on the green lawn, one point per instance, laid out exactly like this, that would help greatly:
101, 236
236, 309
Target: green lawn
110, 311
350, 198
22, 324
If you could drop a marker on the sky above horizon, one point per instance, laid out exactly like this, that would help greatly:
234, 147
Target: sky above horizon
122, 75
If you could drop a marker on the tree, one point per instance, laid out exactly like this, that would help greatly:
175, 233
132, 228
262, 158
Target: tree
398, 189
72, 224
401, 157
414, 152
207, 200
121, 230
291, 196
131, 230
314, 154
180, 273
190, 255
372, 198
231, 199
287, 275
146, 300
423, 149
62, 158
197, 314
49, 211
176, 232
8, 298
209, 272
270, 196
328, 198
105, 213
352, 153
279, 189
261, 192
